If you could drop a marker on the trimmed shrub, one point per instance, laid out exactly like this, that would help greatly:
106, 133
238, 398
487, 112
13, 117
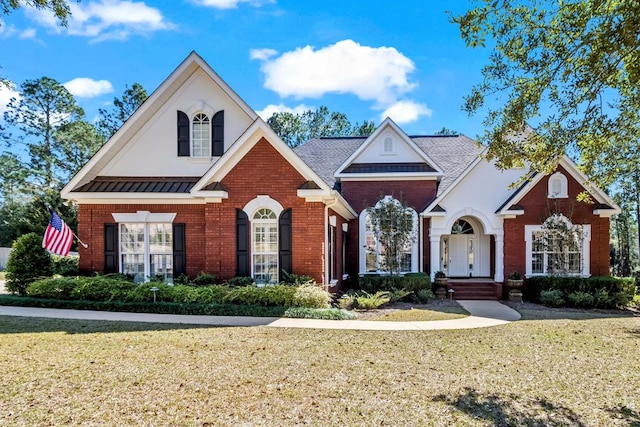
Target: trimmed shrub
275, 295
236, 282
607, 292
581, 299
61, 288
295, 279
319, 313
28, 261
411, 282
635, 302
213, 294
65, 265
552, 298
147, 307
311, 296
204, 279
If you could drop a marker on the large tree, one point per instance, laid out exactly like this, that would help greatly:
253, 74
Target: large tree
42, 109
112, 119
59, 8
296, 129
570, 68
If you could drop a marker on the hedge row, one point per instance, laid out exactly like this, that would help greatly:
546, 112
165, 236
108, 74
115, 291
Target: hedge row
120, 290
412, 282
601, 292
147, 307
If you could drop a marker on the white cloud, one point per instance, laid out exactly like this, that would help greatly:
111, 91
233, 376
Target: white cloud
403, 112
230, 4
106, 19
377, 74
262, 54
84, 87
268, 111
29, 33
7, 30
6, 94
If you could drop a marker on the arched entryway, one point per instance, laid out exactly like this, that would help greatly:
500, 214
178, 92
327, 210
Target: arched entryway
465, 251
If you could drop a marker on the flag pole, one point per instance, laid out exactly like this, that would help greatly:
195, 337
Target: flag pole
84, 245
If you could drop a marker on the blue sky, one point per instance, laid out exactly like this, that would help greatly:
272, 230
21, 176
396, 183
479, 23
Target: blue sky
366, 59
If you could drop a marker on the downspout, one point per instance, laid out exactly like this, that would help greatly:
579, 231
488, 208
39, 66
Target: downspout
421, 243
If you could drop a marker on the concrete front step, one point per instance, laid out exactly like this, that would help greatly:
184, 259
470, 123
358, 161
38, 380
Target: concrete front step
474, 290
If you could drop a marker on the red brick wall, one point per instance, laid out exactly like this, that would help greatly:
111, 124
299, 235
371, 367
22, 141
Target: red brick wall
91, 220
537, 207
210, 228
363, 194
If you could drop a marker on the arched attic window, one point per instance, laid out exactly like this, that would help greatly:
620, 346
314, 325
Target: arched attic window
558, 186
201, 136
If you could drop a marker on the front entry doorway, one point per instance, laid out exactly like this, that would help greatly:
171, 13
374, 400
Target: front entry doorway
460, 255
464, 252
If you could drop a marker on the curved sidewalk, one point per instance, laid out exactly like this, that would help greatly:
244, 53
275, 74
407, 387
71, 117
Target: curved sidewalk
483, 314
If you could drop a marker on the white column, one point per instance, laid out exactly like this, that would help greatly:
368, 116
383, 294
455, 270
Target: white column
499, 275
435, 254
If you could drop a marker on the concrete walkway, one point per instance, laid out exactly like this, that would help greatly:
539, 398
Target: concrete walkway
483, 314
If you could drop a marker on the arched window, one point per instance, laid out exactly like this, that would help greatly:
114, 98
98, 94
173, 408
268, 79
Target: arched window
557, 188
461, 227
264, 233
373, 254
201, 136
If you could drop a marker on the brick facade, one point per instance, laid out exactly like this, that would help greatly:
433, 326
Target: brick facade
211, 227
537, 207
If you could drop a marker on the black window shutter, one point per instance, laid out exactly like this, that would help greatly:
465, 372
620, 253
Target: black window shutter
285, 242
242, 244
183, 134
111, 248
217, 143
179, 250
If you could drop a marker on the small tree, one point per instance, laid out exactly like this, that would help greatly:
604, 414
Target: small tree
27, 262
392, 226
562, 241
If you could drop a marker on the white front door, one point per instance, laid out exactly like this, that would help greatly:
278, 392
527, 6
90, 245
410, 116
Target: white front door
459, 245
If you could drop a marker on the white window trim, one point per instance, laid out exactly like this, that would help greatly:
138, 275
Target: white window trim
147, 246
362, 225
192, 139
255, 222
586, 253
564, 191
143, 216
260, 202
393, 151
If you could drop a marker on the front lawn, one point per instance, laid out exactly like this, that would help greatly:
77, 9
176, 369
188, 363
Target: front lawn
563, 370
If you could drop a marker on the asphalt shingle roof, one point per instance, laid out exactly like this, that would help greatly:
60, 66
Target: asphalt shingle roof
453, 154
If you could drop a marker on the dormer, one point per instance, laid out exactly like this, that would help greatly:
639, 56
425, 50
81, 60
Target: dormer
388, 153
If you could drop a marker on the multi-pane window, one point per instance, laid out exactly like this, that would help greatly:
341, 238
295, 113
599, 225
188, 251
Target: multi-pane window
265, 246
201, 136
562, 250
333, 253
375, 252
146, 250
554, 254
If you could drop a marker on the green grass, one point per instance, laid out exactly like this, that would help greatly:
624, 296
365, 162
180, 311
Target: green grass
557, 369
423, 314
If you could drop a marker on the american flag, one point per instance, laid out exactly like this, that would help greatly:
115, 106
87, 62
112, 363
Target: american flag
58, 237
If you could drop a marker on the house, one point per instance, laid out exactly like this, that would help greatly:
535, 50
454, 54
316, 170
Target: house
195, 181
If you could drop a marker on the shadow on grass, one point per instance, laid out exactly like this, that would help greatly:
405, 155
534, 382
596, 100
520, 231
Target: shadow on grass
512, 410
26, 325
530, 311
627, 414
